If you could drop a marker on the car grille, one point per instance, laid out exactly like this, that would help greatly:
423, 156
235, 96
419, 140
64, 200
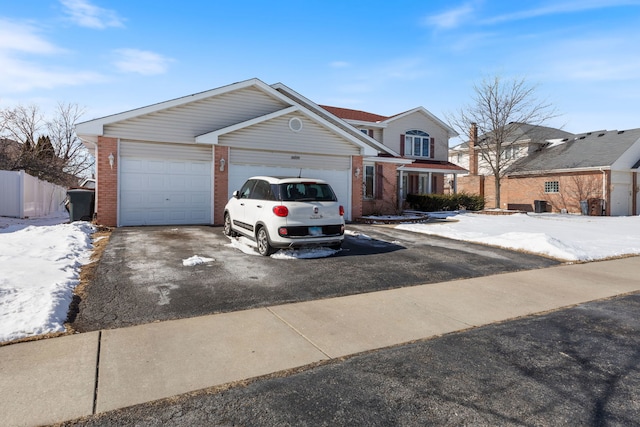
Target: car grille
303, 231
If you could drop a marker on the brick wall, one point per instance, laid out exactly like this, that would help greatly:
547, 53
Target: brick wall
356, 187
107, 209
388, 203
220, 183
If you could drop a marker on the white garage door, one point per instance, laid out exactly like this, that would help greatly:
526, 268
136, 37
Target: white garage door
338, 179
164, 184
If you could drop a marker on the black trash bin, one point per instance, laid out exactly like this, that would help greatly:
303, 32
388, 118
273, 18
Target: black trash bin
584, 207
540, 206
81, 204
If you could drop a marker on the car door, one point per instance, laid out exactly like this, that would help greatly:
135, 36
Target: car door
258, 206
238, 212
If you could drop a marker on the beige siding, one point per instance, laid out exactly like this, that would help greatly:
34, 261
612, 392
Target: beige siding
183, 123
421, 122
288, 160
153, 150
275, 135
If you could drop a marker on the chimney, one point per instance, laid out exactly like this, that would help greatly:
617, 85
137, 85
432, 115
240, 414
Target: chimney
473, 154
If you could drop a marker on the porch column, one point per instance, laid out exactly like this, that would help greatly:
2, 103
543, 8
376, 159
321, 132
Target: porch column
429, 183
455, 183
400, 190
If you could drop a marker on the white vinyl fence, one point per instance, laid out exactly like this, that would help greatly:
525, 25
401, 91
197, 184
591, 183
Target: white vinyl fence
23, 196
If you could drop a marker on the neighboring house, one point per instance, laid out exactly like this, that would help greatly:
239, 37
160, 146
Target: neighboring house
594, 173
523, 139
178, 162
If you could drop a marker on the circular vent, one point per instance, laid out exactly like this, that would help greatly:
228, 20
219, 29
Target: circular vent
295, 124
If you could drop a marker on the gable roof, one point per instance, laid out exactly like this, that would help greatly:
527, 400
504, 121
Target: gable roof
89, 130
363, 116
590, 150
357, 115
524, 132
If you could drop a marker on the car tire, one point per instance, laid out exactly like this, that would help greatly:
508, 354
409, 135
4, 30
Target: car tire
262, 239
227, 230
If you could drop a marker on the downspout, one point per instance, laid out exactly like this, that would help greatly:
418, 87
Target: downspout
604, 190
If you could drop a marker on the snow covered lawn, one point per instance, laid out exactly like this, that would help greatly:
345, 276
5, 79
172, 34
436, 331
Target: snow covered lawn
564, 237
40, 263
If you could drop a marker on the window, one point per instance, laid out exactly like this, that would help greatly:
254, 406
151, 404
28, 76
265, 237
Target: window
417, 143
369, 181
551, 187
509, 153
365, 131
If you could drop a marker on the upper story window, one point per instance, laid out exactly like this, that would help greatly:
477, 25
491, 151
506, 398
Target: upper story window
417, 144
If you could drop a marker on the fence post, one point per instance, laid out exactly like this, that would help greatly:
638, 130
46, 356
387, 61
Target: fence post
21, 194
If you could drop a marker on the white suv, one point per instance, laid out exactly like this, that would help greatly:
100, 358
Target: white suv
285, 212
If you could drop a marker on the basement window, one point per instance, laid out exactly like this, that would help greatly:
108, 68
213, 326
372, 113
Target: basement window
552, 187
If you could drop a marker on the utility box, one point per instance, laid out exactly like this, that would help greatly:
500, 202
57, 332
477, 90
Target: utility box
540, 206
81, 204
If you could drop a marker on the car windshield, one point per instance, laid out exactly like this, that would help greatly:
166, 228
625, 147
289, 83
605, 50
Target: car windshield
305, 192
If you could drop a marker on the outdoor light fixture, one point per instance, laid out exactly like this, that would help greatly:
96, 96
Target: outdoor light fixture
222, 163
111, 160
357, 172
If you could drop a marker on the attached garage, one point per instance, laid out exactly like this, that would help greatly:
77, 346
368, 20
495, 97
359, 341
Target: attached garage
164, 184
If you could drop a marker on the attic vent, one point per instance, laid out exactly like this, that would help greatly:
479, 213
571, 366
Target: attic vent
295, 124
582, 137
602, 134
588, 133
620, 132
565, 140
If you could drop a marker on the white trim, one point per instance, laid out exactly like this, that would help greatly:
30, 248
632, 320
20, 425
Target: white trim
556, 171
452, 133
377, 125
396, 160
433, 170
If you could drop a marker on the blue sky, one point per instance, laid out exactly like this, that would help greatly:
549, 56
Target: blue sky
378, 56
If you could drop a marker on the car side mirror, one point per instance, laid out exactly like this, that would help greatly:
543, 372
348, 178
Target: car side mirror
236, 194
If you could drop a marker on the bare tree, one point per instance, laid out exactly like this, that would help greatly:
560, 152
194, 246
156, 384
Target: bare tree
498, 108
50, 150
67, 146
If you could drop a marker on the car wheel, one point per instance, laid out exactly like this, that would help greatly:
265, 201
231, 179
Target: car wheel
227, 226
262, 239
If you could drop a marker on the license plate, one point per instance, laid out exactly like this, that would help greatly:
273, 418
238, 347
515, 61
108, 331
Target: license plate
315, 231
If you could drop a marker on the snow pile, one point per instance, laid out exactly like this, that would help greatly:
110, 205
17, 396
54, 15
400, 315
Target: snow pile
39, 268
564, 237
196, 260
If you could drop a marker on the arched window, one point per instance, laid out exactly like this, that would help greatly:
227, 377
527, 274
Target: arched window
417, 144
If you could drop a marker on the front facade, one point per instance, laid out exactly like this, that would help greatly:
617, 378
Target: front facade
179, 161
422, 141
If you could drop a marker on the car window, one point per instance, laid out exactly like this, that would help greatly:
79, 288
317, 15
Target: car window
245, 191
262, 191
307, 192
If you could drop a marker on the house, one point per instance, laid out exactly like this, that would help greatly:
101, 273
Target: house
594, 172
179, 161
521, 140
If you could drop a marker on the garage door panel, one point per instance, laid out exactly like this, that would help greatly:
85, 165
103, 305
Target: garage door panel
165, 191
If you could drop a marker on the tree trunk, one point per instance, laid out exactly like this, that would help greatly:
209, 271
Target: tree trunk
497, 189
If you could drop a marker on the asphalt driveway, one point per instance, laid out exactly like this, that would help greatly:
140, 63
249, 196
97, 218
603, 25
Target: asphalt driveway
141, 277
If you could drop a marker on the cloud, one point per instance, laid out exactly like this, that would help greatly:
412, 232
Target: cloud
20, 50
556, 8
141, 61
85, 14
452, 18
22, 37
339, 64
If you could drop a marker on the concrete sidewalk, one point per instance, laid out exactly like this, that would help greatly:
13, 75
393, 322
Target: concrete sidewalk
59, 379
